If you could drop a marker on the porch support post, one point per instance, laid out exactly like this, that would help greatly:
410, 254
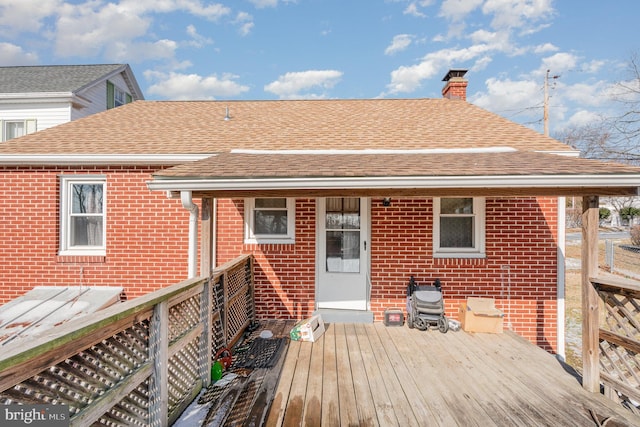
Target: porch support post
206, 237
590, 299
206, 300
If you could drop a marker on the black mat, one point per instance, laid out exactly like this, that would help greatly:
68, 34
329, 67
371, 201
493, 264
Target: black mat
261, 353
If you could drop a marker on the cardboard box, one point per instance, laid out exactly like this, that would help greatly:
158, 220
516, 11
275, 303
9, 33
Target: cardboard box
480, 315
308, 329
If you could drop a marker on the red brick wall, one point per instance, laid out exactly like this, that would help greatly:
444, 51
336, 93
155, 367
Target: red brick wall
147, 235
519, 271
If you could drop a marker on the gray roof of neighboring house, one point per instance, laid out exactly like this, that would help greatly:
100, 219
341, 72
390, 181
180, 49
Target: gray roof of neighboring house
61, 78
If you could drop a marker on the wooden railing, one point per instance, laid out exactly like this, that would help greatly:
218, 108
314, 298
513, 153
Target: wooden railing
619, 338
139, 363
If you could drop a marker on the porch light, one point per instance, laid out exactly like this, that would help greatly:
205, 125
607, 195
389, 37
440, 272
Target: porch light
386, 201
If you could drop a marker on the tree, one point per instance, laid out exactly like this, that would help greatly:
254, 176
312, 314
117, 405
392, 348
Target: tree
604, 215
629, 213
615, 138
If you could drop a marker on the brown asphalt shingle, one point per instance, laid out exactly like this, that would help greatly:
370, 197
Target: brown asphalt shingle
383, 165
190, 127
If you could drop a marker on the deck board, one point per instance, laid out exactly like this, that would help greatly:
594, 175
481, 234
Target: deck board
373, 375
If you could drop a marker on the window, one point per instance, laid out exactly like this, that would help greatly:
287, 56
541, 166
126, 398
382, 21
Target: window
120, 97
16, 128
116, 96
270, 220
459, 227
83, 215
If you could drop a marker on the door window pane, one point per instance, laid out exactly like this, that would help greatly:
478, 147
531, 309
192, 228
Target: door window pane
342, 223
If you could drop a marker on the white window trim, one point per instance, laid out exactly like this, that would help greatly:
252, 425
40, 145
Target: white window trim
30, 126
251, 238
479, 226
65, 186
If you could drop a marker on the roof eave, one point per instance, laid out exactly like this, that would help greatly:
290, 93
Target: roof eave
503, 184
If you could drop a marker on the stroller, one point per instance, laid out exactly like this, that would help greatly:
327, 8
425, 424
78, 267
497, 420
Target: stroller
425, 306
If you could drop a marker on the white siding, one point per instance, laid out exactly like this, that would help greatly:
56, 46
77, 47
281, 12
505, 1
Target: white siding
46, 114
98, 96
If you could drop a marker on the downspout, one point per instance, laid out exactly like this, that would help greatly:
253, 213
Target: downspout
560, 298
187, 203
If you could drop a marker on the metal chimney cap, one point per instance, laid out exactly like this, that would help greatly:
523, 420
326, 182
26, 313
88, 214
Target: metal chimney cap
453, 73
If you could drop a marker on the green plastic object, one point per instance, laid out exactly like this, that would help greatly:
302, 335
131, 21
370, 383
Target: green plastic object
216, 370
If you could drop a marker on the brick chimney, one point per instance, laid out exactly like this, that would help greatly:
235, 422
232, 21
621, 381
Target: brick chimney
456, 86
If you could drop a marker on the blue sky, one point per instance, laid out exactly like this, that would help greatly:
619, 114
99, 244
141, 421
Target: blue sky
287, 49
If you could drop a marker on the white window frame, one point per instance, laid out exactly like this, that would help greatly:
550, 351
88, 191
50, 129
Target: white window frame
252, 238
66, 183
29, 126
119, 96
479, 227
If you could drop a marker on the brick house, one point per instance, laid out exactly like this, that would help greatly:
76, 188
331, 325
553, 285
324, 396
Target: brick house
340, 201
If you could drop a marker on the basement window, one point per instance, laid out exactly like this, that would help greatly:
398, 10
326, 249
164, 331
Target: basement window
82, 215
270, 220
459, 227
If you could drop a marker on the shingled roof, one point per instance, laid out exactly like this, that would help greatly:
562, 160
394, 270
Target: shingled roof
368, 147
58, 78
165, 127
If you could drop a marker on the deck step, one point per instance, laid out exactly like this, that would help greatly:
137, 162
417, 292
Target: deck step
345, 316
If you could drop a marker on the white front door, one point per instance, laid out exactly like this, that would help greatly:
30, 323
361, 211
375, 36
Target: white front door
343, 229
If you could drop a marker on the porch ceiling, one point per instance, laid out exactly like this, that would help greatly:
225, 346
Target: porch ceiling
420, 173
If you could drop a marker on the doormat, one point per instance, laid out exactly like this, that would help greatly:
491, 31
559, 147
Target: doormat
262, 353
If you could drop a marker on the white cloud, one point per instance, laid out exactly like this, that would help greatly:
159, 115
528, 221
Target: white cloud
581, 118
509, 97
559, 63
260, 4
407, 79
291, 85
178, 86
26, 15
11, 54
86, 31
398, 44
245, 21
545, 48
123, 31
211, 12
517, 13
412, 10
135, 52
198, 40
456, 10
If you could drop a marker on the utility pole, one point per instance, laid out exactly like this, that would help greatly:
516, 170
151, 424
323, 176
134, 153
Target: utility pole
546, 102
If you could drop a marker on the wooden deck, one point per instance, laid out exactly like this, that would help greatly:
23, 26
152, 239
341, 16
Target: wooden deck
372, 375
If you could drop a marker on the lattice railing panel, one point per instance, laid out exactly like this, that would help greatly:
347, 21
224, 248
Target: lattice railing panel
619, 339
84, 377
183, 317
183, 372
119, 381
622, 317
133, 410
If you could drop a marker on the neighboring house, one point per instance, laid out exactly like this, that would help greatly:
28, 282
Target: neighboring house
340, 202
34, 98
